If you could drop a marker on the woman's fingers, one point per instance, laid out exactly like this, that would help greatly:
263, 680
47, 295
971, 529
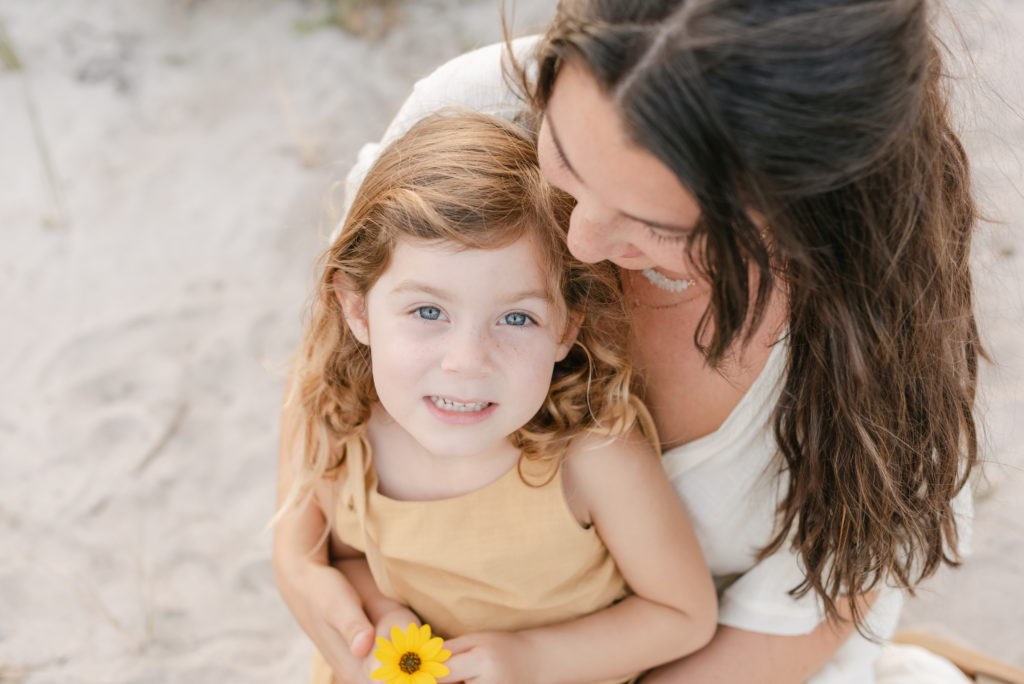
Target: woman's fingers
361, 643
344, 613
335, 652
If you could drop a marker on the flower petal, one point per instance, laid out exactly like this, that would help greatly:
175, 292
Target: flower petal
429, 650
385, 671
434, 669
398, 639
412, 637
387, 653
424, 635
421, 677
443, 656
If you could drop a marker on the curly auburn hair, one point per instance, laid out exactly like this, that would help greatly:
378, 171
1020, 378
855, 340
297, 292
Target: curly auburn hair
471, 180
829, 119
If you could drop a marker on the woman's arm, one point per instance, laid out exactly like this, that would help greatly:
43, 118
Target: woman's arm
323, 602
672, 612
738, 655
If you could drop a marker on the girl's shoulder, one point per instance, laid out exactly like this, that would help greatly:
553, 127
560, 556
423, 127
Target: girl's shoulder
594, 448
597, 465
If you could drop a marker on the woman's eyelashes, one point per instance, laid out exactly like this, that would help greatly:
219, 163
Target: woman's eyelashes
660, 235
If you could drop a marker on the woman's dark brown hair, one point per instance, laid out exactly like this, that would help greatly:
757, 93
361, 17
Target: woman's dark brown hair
827, 118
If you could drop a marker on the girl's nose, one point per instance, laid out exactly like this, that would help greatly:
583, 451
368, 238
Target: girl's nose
591, 235
468, 352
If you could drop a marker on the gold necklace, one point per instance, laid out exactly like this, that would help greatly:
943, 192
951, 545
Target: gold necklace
658, 307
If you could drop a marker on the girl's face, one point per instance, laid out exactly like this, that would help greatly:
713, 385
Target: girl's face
463, 341
630, 208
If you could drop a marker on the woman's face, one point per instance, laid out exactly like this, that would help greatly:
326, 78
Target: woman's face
631, 209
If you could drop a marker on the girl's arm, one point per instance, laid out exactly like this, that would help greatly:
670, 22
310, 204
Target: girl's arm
672, 612
738, 655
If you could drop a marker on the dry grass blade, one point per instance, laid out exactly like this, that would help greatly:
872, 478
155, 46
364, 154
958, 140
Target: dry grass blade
11, 61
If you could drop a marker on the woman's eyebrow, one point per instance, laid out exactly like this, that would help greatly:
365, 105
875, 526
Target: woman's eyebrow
559, 150
667, 227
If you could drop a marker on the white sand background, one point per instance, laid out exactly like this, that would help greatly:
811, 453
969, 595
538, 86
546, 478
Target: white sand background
164, 172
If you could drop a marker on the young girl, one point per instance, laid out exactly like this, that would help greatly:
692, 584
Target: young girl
465, 428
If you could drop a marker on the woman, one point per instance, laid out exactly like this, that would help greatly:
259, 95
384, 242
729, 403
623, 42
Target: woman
790, 211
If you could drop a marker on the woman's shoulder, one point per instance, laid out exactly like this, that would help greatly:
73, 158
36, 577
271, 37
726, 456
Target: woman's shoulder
474, 80
477, 69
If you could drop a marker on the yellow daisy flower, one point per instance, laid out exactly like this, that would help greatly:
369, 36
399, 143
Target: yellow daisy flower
411, 657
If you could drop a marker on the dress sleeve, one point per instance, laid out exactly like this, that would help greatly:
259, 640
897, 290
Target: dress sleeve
473, 80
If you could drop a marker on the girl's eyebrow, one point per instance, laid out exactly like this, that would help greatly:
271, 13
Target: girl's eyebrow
667, 227
425, 288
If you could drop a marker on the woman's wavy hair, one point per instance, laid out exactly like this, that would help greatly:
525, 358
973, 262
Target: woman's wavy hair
473, 181
829, 119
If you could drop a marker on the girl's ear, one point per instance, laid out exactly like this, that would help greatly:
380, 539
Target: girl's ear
353, 306
572, 330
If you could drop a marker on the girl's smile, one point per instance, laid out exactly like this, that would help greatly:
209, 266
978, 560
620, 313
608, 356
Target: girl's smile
458, 412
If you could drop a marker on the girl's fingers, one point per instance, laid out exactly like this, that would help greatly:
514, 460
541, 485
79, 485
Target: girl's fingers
461, 666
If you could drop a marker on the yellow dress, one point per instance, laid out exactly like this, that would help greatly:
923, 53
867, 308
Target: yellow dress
507, 557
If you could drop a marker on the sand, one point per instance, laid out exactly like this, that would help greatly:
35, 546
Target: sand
165, 170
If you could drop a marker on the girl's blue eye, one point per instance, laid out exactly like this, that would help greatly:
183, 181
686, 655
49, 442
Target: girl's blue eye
429, 313
516, 318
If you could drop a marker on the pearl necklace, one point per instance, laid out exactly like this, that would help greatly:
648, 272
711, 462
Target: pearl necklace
663, 282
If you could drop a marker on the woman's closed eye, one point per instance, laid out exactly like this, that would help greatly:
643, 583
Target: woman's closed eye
662, 235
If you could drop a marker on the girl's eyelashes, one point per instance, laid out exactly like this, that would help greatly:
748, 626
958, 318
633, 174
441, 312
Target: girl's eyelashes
429, 313
517, 318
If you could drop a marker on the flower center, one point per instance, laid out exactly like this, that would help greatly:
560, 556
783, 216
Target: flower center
409, 663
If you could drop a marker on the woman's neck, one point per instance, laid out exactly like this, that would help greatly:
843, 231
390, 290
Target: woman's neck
687, 398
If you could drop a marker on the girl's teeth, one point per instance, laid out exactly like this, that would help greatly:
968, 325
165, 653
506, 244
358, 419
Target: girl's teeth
449, 405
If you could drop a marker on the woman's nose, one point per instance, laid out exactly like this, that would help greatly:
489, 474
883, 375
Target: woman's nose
591, 236
468, 352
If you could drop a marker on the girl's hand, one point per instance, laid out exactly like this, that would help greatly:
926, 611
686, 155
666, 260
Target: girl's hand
489, 658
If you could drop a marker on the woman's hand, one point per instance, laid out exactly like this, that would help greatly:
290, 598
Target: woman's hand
322, 600
489, 658
327, 609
